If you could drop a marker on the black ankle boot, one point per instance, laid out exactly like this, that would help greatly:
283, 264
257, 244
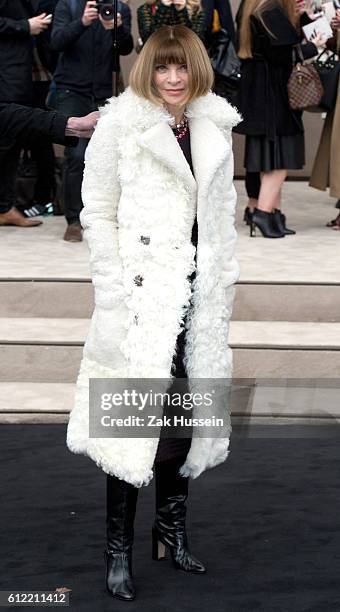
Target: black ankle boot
169, 526
265, 222
121, 500
280, 222
247, 215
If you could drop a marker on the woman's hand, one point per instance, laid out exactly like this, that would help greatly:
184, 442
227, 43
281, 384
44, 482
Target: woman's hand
318, 39
306, 6
180, 4
167, 2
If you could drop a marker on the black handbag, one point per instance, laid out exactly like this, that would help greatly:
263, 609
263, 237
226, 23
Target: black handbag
226, 64
328, 67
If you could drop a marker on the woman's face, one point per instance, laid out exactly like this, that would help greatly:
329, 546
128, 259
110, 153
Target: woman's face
172, 83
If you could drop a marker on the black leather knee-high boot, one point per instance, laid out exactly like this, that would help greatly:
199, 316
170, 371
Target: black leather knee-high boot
169, 526
121, 501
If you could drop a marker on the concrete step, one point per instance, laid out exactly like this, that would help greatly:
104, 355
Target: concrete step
30, 397
287, 302
243, 334
56, 299
285, 335
43, 331
49, 350
52, 402
253, 301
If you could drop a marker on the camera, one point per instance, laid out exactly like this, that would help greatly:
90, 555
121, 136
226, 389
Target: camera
106, 9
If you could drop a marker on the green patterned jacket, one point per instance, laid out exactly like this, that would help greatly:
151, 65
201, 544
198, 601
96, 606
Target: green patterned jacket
149, 21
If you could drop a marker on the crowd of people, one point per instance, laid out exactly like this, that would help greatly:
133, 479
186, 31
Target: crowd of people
157, 189
60, 53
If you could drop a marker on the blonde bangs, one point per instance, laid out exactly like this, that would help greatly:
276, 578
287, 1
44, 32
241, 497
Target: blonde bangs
172, 45
170, 52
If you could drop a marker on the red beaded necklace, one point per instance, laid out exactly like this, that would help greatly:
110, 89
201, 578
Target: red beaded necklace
181, 129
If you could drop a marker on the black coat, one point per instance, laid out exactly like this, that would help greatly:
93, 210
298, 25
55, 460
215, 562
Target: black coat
15, 51
24, 125
86, 61
263, 97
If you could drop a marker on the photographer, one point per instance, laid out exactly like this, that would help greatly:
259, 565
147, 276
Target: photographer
17, 26
84, 81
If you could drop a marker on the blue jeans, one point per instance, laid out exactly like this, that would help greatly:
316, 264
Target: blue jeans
73, 104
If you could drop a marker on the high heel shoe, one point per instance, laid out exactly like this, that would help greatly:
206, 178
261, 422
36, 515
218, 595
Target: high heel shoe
264, 221
280, 222
335, 222
247, 215
180, 554
169, 527
121, 510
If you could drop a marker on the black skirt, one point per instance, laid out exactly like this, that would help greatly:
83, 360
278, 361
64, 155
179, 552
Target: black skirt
283, 153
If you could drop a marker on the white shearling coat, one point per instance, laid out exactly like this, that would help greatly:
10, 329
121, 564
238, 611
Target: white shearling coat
137, 183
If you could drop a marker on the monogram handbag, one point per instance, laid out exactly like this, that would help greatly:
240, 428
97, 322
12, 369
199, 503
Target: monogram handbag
304, 85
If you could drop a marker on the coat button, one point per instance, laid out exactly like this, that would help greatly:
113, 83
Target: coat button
145, 239
138, 280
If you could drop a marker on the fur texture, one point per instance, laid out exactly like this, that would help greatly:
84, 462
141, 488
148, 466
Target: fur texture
137, 183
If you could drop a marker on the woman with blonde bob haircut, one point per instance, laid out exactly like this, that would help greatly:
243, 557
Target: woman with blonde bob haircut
176, 46
158, 216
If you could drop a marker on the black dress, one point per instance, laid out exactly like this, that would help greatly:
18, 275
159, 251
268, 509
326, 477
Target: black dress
179, 447
274, 131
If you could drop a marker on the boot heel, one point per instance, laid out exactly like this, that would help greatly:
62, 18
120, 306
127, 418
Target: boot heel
247, 215
265, 222
158, 548
252, 229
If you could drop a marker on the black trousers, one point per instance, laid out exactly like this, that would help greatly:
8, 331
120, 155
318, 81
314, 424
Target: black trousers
43, 153
169, 448
9, 155
11, 143
73, 104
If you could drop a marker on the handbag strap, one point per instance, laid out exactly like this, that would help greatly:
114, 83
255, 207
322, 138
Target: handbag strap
297, 55
325, 51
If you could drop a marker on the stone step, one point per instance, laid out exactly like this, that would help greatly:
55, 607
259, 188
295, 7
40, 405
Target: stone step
45, 298
243, 334
287, 302
43, 331
49, 350
51, 402
253, 301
